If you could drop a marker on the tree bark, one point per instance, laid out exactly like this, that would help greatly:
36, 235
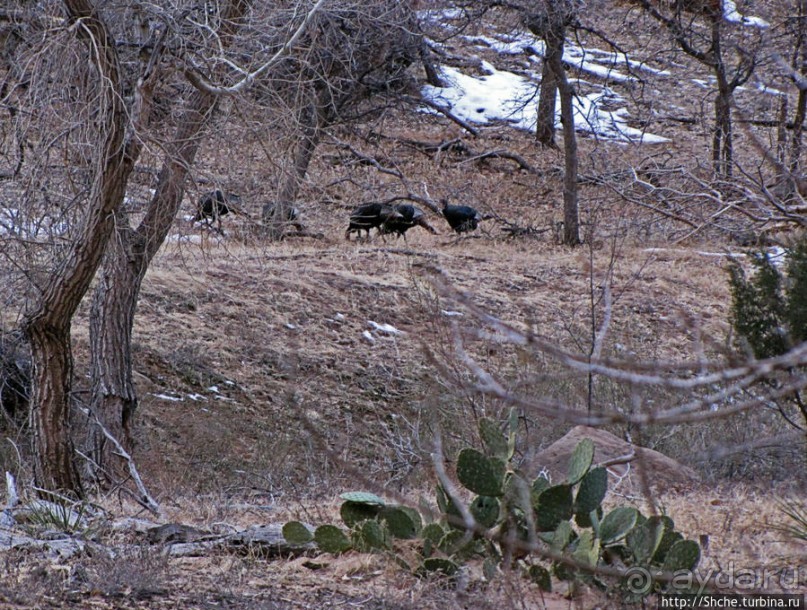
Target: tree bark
554, 39
547, 100
312, 120
571, 215
800, 66
47, 325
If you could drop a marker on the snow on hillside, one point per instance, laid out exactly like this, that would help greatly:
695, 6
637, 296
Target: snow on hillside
502, 95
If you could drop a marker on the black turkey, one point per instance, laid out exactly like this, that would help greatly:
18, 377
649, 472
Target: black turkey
369, 216
461, 218
214, 205
410, 216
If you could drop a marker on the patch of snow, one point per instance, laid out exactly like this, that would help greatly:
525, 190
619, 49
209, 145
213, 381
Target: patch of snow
511, 45
730, 13
290, 326
387, 329
579, 58
451, 314
777, 255
214, 389
763, 88
178, 238
504, 96
197, 397
169, 397
369, 336
439, 15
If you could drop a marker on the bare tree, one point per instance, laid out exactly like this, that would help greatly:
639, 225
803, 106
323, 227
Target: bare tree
47, 323
115, 299
550, 21
353, 52
708, 48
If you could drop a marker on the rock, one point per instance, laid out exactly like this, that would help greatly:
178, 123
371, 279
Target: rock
661, 471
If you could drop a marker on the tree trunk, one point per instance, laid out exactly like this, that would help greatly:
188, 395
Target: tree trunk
547, 100
47, 325
313, 118
571, 216
114, 399
115, 299
722, 142
800, 66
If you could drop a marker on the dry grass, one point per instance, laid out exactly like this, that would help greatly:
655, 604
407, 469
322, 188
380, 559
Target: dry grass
261, 398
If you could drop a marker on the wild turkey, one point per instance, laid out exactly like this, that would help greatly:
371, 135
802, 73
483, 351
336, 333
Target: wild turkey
410, 216
214, 205
291, 215
461, 218
370, 215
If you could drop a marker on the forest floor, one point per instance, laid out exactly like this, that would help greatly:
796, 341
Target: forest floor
273, 376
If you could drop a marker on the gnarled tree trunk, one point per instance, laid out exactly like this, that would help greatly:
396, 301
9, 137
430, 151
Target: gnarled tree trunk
47, 325
114, 399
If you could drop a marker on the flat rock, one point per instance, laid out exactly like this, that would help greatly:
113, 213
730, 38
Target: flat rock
660, 471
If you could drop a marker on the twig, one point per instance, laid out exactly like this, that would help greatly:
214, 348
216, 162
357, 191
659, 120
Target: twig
451, 491
145, 498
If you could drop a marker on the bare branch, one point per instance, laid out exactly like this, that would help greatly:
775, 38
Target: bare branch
201, 82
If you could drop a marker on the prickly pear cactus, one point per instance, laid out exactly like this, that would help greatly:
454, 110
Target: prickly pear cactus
297, 533
353, 513
485, 511
591, 492
362, 497
479, 473
437, 565
331, 539
683, 555
495, 442
644, 539
617, 524
371, 536
580, 461
401, 521
554, 505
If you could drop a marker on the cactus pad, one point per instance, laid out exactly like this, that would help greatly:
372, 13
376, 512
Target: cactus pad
683, 555
591, 492
331, 539
402, 522
353, 513
581, 459
485, 510
478, 473
554, 506
495, 442
617, 524
297, 533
